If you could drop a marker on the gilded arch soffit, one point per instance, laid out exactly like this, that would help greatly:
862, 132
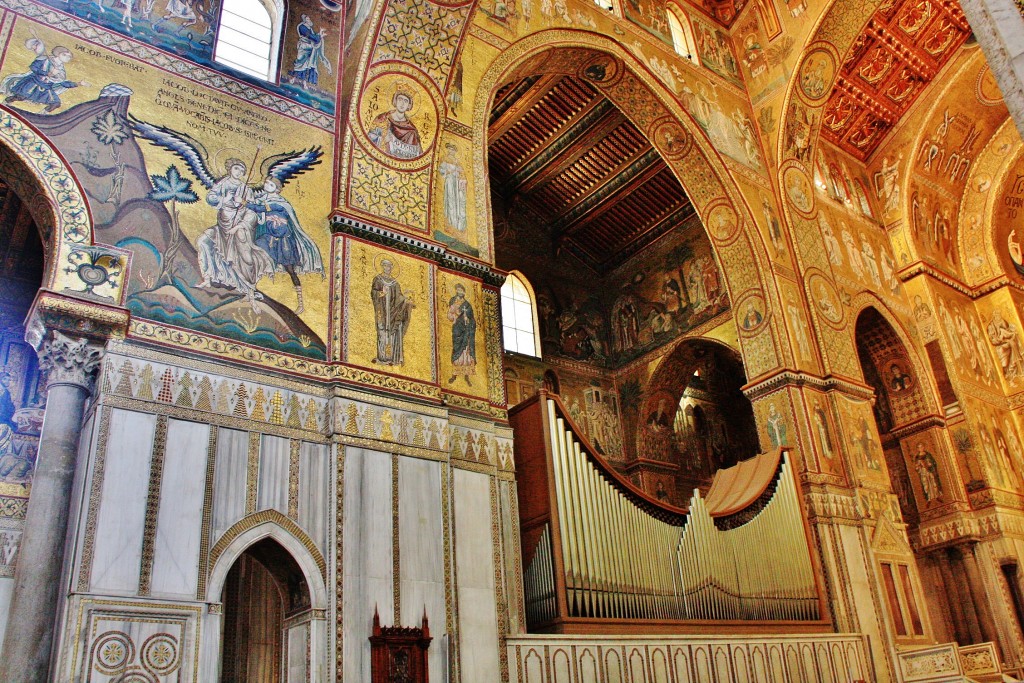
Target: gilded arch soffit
973, 203
684, 147
75, 265
922, 370
976, 247
797, 146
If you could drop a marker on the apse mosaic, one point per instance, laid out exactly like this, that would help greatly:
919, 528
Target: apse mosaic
308, 55
224, 234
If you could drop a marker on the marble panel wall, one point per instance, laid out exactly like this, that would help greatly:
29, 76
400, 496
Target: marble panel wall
122, 504
314, 490
272, 493
421, 543
474, 556
180, 518
229, 485
368, 559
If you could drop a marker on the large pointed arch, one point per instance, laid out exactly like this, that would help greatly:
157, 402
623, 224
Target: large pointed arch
42, 179
656, 112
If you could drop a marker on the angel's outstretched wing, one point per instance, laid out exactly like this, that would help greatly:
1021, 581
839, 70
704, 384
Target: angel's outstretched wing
186, 148
286, 166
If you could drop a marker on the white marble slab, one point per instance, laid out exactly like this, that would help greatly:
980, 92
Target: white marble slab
180, 517
6, 588
478, 615
229, 479
296, 669
314, 485
367, 555
275, 457
122, 511
421, 551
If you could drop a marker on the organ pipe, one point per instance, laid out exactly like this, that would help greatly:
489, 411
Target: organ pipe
740, 552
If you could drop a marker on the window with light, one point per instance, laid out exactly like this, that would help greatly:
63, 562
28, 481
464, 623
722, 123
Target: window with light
247, 38
682, 36
519, 316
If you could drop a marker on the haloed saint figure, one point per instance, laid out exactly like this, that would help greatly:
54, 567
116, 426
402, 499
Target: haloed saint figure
463, 320
394, 133
392, 309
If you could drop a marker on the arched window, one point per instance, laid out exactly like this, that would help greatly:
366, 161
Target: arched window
682, 36
519, 316
249, 36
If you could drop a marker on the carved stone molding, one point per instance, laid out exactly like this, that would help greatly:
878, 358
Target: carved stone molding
67, 360
796, 378
73, 317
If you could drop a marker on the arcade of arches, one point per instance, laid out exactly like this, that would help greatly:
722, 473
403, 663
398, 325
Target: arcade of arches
254, 396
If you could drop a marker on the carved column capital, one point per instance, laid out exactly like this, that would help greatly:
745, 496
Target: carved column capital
67, 360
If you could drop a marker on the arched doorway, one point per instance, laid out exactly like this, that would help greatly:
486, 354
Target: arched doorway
267, 609
22, 386
919, 467
695, 419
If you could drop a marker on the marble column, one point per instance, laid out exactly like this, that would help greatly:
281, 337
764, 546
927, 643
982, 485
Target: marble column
979, 595
71, 366
955, 600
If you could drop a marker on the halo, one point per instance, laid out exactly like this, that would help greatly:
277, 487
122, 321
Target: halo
380, 257
221, 156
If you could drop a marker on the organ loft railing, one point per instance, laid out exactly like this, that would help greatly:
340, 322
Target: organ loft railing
599, 555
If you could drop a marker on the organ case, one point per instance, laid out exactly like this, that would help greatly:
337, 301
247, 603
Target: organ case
601, 556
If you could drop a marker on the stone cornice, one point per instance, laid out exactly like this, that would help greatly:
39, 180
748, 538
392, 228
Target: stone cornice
75, 318
346, 225
797, 378
927, 422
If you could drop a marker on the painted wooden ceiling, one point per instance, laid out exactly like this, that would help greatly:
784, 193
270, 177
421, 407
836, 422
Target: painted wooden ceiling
902, 48
563, 153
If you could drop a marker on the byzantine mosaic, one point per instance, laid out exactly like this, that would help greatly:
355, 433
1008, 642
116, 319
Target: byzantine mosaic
481, 442
353, 416
149, 55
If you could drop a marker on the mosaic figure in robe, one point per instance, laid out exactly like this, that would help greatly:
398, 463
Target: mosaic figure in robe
310, 55
394, 132
392, 310
46, 79
463, 320
229, 252
279, 233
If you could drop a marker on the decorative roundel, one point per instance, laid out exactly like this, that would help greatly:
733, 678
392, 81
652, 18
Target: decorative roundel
397, 117
92, 274
799, 189
601, 70
722, 223
112, 652
160, 654
987, 89
825, 298
751, 313
671, 140
817, 71
136, 677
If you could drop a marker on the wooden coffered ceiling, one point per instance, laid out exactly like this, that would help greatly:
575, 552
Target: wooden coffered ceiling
568, 159
895, 57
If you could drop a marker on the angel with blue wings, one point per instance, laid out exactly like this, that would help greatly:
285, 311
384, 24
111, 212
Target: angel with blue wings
257, 232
